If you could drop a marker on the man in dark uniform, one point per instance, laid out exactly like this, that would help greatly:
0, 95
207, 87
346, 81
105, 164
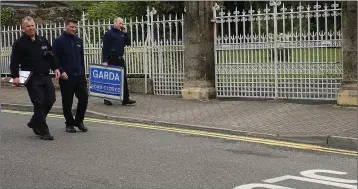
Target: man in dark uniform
68, 48
34, 53
112, 54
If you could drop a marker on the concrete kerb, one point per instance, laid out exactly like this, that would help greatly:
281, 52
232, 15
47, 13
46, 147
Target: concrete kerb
327, 141
337, 141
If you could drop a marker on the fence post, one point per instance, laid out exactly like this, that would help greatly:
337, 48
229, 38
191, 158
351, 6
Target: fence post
147, 52
215, 8
275, 3
84, 39
2, 70
150, 41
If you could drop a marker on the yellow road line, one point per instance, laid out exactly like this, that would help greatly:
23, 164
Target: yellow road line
209, 134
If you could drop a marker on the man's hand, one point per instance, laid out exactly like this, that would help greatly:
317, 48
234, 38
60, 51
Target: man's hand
64, 75
16, 81
105, 64
57, 73
124, 29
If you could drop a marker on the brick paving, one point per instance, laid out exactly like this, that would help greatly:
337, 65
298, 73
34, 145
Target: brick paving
269, 117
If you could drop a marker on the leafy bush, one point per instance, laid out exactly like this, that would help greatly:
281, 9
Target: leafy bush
6, 16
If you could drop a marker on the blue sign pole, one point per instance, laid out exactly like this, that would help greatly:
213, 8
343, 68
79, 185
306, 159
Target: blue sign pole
106, 82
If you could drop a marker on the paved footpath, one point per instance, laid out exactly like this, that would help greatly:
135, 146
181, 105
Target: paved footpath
311, 123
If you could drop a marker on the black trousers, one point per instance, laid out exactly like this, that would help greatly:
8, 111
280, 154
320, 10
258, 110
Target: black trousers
74, 85
120, 62
42, 94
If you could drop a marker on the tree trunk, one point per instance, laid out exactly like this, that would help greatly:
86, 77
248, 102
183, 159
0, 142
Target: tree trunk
347, 95
199, 44
349, 31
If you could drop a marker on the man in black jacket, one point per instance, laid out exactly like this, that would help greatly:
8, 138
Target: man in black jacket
68, 48
112, 54
34, 53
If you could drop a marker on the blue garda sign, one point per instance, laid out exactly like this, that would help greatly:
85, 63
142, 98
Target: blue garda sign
106, 82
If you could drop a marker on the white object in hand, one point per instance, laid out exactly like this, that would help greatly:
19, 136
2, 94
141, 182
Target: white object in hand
23, 76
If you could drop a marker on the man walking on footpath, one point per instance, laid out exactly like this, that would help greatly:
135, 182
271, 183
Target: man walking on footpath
112, 54
34, 53
68, 48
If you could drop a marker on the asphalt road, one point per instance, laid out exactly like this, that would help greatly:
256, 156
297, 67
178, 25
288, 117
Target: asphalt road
114, 156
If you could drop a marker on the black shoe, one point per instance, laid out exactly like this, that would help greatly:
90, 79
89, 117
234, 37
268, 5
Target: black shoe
107, 102
36, 131
47, 136
127, 102
82, 127
70, 129
30, 124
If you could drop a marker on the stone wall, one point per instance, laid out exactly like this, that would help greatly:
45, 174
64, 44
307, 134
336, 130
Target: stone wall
46, 15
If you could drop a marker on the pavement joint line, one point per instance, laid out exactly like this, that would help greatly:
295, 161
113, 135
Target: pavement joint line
208, 134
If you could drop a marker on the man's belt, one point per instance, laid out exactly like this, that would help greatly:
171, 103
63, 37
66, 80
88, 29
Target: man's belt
117, 57
41, 74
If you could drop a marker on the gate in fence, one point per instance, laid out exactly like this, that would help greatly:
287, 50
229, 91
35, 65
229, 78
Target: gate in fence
156, 50
278, 51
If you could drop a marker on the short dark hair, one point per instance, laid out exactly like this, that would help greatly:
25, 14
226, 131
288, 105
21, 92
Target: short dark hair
69, 20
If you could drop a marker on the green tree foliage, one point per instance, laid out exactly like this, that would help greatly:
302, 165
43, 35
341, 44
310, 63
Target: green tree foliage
81, 5
126, 9
168, 7
6, 16
108, 10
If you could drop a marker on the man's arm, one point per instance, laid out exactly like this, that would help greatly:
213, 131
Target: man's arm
57, 52
54, 61
82, 53
106, 46
127, 41
15, 60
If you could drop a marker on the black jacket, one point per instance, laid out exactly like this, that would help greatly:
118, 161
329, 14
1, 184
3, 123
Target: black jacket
113, 43
68, 49
35, 56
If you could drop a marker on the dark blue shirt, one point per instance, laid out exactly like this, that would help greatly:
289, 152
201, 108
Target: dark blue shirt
114, 42
69, 51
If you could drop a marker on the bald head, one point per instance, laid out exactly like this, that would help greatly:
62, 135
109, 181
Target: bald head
118, 19
118, 23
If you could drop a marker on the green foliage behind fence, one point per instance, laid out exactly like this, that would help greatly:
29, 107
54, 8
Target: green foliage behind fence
6, 16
